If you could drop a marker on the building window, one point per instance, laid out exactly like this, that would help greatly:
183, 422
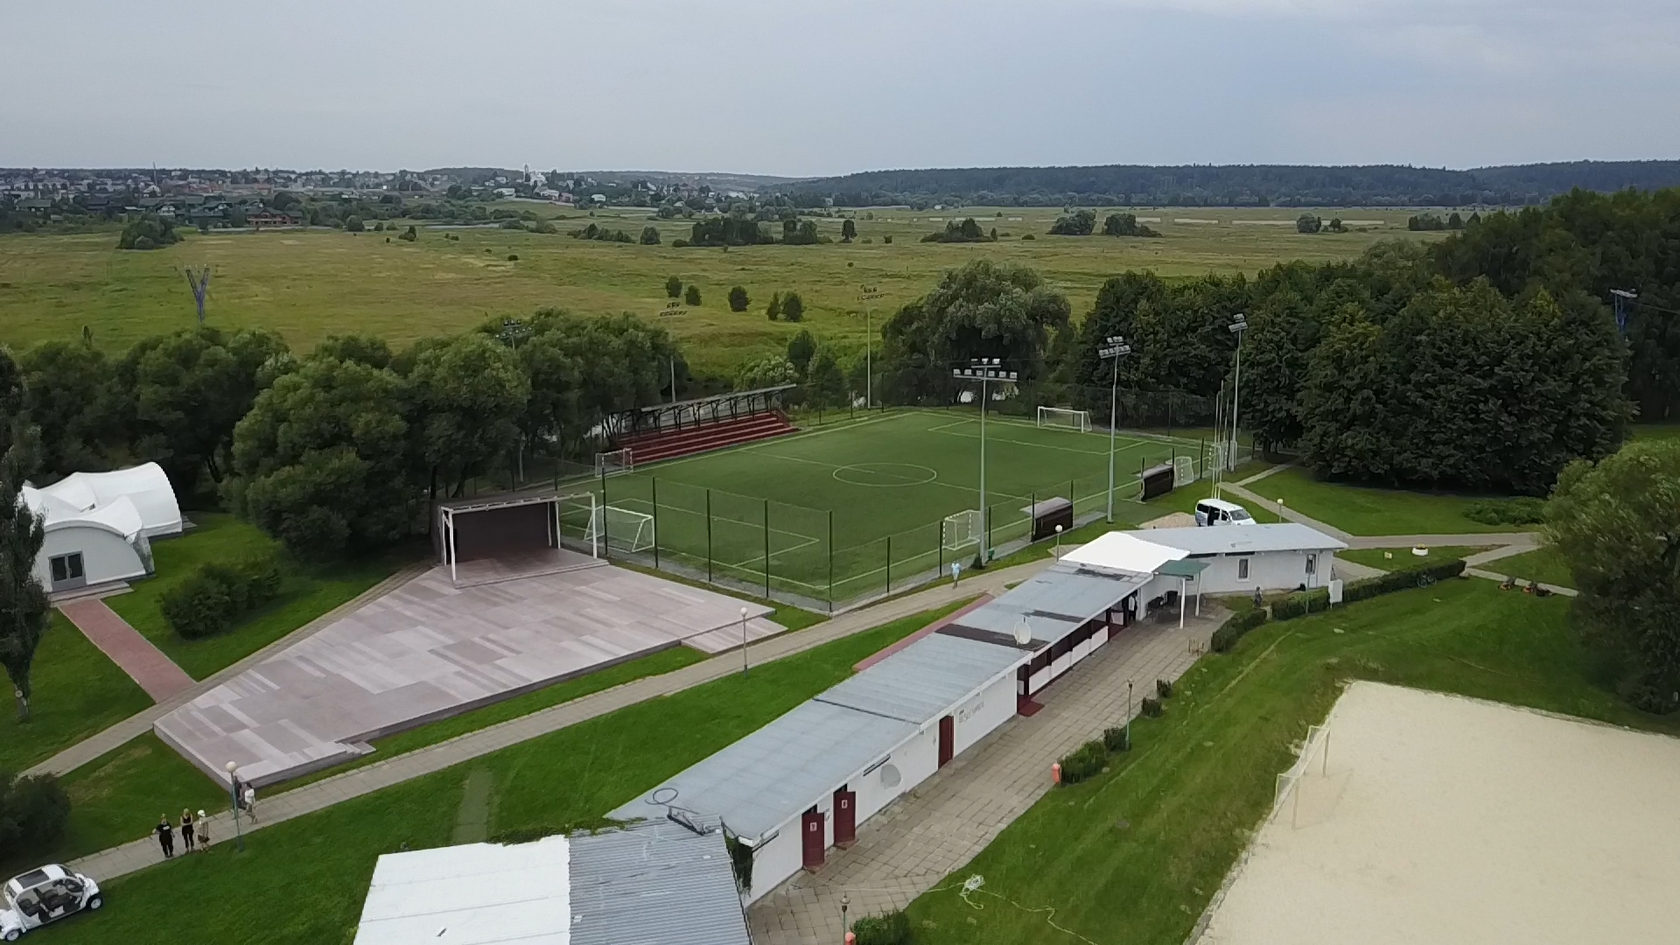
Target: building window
67, 567
1242, 569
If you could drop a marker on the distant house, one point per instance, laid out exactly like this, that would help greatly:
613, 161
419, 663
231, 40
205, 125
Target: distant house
270, 218
598, 198
504, 191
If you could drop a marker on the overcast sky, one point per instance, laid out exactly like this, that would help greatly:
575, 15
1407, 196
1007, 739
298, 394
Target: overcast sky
799, 88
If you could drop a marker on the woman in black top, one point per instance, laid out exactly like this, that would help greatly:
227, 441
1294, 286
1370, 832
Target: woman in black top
187, 829
166, 836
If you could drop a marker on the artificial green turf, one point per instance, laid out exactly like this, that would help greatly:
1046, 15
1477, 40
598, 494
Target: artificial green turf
1135, 854
304, 880
1403, 557
881, 487
305, 593
78, 692
1367, 510
1543, 564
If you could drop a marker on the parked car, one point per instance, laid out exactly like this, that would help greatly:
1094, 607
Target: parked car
31, 900
1220, 512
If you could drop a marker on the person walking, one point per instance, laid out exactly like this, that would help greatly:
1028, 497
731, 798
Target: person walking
250, 799
203, 831
166, 836
187, 834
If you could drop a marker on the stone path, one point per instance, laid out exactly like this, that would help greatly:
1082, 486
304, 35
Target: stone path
933, 831
134, 654
280, 807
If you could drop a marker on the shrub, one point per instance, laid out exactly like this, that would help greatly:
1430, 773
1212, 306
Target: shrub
691, 295
673, 288
1164, 688
1152, 707
1234, 628
1295, 605
33, 811
887, 238
409, 234
212, 598
513, 257
892, 928
1083, 762
379, 226
1116, 739
680, 244
773, 311
650, 236
1028, 236
793, 308
147, 232
353, 224
1521, 511
738, 300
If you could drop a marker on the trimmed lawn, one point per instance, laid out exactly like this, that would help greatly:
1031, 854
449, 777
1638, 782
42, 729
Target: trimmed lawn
1136, 854
1367, 510
1374, 557
78, 692
304, 880
304, 594
1656, 431
1184, 499
1542, 564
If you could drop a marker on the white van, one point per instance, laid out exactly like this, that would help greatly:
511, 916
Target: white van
1220, 512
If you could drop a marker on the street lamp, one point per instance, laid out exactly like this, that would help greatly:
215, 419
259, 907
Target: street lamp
868, 296
1057, 554
1128, 713
987, 371
1239, 324
1114, 348
845, 901
233, 792
743, 641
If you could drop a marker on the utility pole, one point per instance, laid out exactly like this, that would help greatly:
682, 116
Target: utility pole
673, 309
987, 371
869, 295
1239, 324
1113, 348
199, 280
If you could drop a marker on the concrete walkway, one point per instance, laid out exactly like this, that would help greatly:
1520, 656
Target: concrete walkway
134, 654
140, 723
935, 830
319, 795
1270, 471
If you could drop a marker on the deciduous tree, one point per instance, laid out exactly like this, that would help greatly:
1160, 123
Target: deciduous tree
23, 601
800, 349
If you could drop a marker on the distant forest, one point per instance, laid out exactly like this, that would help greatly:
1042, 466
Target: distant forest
1240, 185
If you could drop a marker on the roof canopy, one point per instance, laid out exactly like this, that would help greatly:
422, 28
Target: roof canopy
1235, 539
133, 500
1125, 551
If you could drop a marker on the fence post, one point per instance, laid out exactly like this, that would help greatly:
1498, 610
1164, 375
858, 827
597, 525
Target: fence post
831, 561
766, 549
708, 536
889, 564
653, 484
606, 543
941, 548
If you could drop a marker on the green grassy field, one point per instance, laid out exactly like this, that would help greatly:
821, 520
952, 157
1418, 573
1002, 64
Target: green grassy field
304, 880
1403, 557
887, 481
304, 594
78, 692
310, 284
1368, 510
1134, 855
1543, 564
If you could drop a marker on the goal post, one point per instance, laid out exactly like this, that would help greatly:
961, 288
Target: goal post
960, 530
622, 529
1064, 418
614, 462
1184, 470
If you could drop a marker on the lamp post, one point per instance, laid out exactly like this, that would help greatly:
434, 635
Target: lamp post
743, 641
1128, 713
987, 371
845, 902
673, 309
1113, 348
868, 296
1239, 324
1057, 554
233, 792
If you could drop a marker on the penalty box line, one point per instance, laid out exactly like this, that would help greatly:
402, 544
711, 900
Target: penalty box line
805, 541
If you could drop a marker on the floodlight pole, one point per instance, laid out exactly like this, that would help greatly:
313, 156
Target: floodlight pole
1113, 349
1239, 324
1621, 299
984, 370
743, 641
868, 296
673, 310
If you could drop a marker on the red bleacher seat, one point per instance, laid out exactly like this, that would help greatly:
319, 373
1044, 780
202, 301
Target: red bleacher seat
712, 435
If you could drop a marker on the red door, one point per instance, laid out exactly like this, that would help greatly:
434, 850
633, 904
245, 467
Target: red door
812, 840
845, 817
947, 737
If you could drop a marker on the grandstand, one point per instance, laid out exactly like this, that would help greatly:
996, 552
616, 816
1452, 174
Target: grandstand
669, 431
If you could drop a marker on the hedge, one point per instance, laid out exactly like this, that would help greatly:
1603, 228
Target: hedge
1301, 603
215, 596
1234, 628
1151, 707
1401, 580
893, 928
1084, 762
1117, 739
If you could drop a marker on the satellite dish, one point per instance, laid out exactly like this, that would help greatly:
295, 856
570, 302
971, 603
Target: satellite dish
1023, 632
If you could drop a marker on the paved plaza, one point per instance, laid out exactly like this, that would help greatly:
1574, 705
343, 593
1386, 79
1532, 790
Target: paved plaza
430, 649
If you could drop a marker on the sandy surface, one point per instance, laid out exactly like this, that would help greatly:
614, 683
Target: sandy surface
1445, 820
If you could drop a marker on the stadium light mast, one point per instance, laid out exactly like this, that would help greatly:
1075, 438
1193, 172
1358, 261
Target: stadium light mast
869, 296
1239, 324
1622, 300
673, 309
1113, 348
987, 371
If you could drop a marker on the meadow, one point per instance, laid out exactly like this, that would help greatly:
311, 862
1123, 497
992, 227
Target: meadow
309, 284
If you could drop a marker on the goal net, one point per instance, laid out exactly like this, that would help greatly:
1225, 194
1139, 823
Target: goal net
614, 462
1314, 760
1063, 418
621, 529
961, 529
1184, 470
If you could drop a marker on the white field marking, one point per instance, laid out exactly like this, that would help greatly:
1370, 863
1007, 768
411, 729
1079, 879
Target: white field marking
946, 429
936, 482
806, 541
933, 475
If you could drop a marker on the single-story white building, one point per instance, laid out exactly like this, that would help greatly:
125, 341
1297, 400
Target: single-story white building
99, 526
1240, 559
657, 883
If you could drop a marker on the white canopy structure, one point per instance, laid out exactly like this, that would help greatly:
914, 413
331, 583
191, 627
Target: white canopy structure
99, 526
1119, 551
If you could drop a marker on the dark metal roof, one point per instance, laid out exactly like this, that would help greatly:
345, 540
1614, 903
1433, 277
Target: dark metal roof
655, 883
924, 680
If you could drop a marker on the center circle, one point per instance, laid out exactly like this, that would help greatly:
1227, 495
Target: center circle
885, 475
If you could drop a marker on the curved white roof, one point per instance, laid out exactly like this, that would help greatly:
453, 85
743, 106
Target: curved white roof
131, 500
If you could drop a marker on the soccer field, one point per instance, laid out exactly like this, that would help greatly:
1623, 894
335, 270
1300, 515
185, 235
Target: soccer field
858, 509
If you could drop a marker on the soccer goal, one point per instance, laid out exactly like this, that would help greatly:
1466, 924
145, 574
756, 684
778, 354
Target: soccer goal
621, 529
614, 462
1184, 470
961, 529
1063, 418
